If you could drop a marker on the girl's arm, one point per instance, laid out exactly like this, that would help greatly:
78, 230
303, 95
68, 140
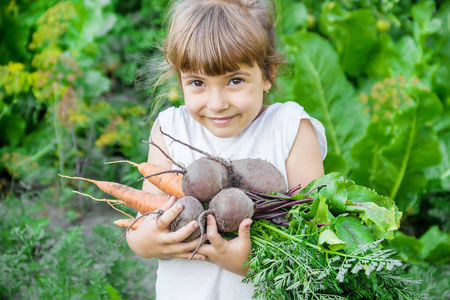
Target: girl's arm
153, 239
304, 163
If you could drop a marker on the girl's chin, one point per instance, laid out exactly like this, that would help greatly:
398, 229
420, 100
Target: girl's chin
223, 132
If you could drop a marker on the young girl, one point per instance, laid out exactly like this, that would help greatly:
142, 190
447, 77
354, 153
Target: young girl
223, 53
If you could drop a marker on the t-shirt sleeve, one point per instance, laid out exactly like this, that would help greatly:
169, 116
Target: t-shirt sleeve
295, 113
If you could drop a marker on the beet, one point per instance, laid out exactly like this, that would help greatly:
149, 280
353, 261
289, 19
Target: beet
192, 209
204, 178
230, 207
257, 175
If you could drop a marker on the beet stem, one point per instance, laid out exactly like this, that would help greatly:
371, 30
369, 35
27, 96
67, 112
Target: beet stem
221, 160
164, 153
281, 204
294, 189
265, 196
315, 188
158, 212
201, 222
163, 172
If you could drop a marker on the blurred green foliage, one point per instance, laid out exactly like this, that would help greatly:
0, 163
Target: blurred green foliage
376, 73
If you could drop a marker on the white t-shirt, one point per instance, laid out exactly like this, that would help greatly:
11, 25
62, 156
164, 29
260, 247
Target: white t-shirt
269, 137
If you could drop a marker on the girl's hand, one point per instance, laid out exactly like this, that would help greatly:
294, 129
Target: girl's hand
153, 238
229, 255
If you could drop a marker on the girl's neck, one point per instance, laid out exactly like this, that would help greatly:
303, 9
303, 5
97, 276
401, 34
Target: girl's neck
263, 108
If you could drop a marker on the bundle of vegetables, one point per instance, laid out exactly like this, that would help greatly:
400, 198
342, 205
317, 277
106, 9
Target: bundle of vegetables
325, 242
333, 248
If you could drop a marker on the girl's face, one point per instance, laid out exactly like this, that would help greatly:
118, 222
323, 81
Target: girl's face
225, 104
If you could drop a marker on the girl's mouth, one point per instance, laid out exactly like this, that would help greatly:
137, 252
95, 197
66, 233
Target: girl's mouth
221, 121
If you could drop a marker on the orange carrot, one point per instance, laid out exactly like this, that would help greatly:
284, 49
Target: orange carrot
169, 183
141, 201
111, 202
125, 223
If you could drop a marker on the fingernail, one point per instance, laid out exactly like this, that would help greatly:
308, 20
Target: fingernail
209, 217
179, 206
195, 225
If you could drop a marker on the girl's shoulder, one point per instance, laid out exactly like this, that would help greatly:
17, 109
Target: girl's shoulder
173, 112
283, 113
287, 117
173, 116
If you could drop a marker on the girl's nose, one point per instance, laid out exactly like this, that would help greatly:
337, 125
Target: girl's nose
218, 101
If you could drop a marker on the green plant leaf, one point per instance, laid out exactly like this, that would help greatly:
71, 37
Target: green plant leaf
385, 60
396, 150
423, 22
319, 84
319, 213
351, 230
329, 239
95, 84
353, 34
436, 246
409, 248
294, 16
13, 129
370, 213
336, 195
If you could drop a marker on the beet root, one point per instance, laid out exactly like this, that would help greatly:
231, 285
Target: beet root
204, 178
230, 207
191, 211
258, 175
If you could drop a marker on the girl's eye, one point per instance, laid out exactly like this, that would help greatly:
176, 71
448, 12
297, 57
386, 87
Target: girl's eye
197, 83
235, 81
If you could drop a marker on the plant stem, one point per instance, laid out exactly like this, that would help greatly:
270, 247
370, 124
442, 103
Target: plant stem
289, 236
262, 242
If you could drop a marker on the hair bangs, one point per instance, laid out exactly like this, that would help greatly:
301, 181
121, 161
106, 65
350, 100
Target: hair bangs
216, 41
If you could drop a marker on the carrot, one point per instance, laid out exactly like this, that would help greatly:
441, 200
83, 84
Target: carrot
141, 201
111, 202
126, 223
169, 183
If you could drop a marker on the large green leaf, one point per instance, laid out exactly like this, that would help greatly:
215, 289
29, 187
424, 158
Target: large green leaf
433, 246
353, 34
351, 230
318, 83
396, 150
436, 246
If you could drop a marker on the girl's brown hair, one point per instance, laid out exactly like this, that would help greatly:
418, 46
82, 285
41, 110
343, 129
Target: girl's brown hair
214, 36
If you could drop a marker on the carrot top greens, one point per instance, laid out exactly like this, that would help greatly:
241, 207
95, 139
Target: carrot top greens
335, 247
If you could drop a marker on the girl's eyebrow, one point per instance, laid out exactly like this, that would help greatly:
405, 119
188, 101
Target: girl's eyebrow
191, 76
198, 76
239, 73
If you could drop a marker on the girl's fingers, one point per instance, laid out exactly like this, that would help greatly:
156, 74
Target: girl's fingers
168, 216
189, 255
181, 234
244, 228
211, 230
185, 250
168, 204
